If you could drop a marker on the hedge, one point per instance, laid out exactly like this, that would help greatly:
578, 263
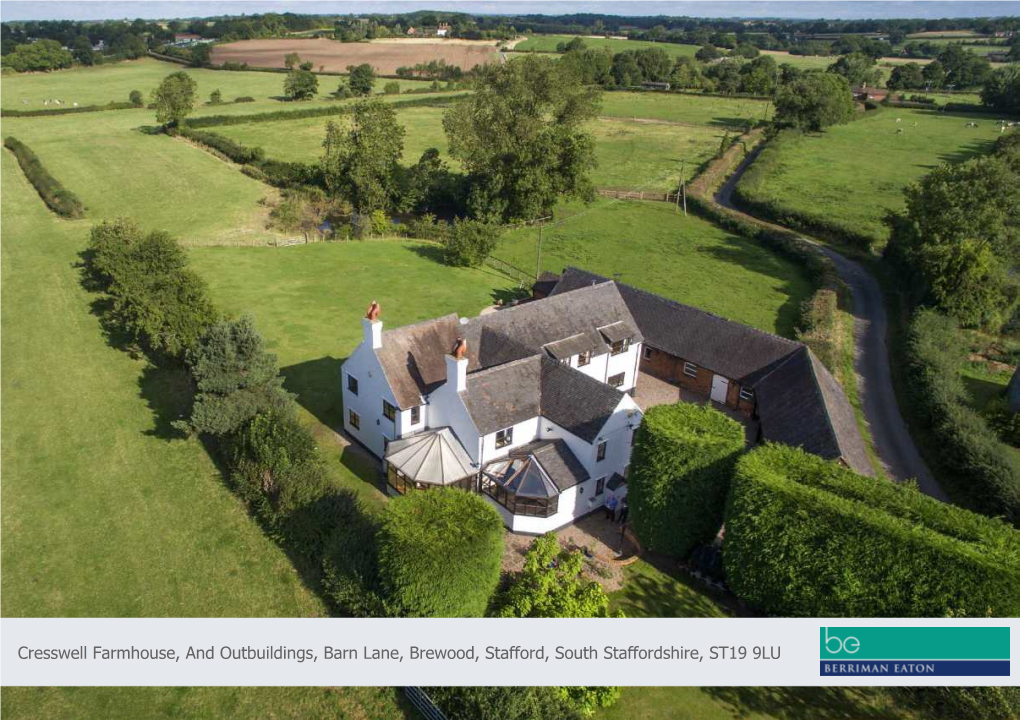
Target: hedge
241, 154
440, 552
69, 110
976, 469
679, 475
58, 198
254, 163
807, 537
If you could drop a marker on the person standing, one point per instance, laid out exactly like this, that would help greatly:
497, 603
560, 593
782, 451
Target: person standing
611, 507
624, 511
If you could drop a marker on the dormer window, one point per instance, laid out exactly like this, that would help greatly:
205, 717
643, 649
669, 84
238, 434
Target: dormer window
504, 438
619, 347
584, 358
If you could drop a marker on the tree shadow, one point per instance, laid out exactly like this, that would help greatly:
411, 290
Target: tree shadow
981, 391
428, 251
735, 124
316, 383
168, 392
814, 703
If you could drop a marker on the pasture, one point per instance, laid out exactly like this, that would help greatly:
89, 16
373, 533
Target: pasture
649, 245
333, 56
548, 43
853, 174
685, 108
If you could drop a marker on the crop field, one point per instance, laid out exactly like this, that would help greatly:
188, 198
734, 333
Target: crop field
853, 174
649, 245
335, 56
684, 108
548, 43
630, 154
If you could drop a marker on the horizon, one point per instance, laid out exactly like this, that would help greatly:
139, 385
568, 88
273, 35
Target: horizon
39, 10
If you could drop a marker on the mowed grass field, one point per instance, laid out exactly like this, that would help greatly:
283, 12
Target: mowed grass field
685, 108
647, 244
548, 43
854, 173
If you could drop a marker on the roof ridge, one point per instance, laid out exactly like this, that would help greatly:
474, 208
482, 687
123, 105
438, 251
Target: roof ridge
427, 321
825, 406
502, 366
785, 359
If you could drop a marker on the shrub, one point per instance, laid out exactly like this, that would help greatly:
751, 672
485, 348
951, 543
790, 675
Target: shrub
975, 703
425, 227
440, 552
244, 99
380, 223
136, 99
58, 198
215, 97
469, 242
392, 88
309, 112
682, 463
237, 152
351, 566
1003, 420
976, 469
806, 537
502, 703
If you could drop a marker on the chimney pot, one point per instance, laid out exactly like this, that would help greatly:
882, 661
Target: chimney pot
373, 311
459, 348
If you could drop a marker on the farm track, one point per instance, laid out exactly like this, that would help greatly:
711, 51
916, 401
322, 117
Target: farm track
895, 447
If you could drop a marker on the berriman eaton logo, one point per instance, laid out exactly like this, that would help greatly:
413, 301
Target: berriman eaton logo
934, 651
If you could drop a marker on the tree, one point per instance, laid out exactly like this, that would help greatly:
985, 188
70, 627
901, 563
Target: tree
174, 98
934, 73
300, 85
680, 472
1002, 90
964, 68
440, 552
82, 51
503, 703
522, 137
708, 53
215, 97
136, 99
572, 45
906, 77
361, 158
593, 66
858, 68
201, 54
42, 55
392, 88
551, 585
815, 101
469, 242
361, 79
291, 60
961, 235
235, 379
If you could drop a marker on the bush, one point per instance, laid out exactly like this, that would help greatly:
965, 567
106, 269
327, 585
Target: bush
392, 88
502, 703
682, 463
1003, 420
244, 99
440, 552
351, 566
58, 198
806, 537
469, 242
68, 110
237, 152
215, 97
425, 227
975, 703
136, 99
976, 469
309, 112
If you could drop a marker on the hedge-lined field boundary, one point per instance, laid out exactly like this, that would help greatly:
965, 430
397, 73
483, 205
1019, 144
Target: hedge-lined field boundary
58, 198
806, 537
253, 161
70, 110
277, 115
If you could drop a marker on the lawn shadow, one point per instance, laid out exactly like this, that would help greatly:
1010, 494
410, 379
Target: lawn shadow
814, 703
427, 251
650, 595
981, 391
736, 124
316, 383
168, 392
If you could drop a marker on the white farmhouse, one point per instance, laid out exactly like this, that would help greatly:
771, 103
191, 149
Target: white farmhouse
529, 406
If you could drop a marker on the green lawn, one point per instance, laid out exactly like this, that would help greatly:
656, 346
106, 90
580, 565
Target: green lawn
547, 43
649, 245
853, 174
630, 154
682, 107
102, 515
655, 588
205, 702
113, 83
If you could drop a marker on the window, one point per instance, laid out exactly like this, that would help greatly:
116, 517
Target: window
620, 346
690, 369
504, 438
648, 353
600, 451
352, 384
600, 486
389, 412
354, 419
535, 507
565, 361
746, 394
415, 415
584, 358
616, 380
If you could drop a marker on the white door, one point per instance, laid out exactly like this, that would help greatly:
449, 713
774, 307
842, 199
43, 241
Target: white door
720, 388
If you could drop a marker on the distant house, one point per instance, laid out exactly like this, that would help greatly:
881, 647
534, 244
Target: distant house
866, 93
655, 85
443, 30
412, 31
187, 39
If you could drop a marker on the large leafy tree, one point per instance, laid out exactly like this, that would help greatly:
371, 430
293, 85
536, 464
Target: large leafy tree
174, 98
235, 378
300, 84
523, 140
961, 235
361, 158
859, 69
361, 78
906, 77
814, 101
42, 55
963, 67
1002, 90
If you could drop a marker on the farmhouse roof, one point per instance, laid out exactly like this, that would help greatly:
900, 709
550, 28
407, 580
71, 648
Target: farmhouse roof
412, 358
555, 462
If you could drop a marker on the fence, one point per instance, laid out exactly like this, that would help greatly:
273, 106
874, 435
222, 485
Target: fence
423, 704
639, 195
521, 276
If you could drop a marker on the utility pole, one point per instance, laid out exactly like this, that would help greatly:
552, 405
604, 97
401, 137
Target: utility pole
682, 190
538, 259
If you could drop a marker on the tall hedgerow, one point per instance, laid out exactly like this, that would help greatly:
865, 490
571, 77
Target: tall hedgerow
440, 552
807, 537
58, 198
679, 474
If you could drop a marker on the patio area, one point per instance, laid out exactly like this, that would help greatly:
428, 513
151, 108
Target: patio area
652, 391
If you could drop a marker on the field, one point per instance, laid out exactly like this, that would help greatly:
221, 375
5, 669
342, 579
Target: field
684, 108
630, 154
687, 259
548, 43
853, 174
336, 56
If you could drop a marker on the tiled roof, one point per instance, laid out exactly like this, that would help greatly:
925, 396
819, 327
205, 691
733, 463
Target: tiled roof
412, 357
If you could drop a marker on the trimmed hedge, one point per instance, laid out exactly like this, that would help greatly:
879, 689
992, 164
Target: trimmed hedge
241, 154
253, 161
70, 110
976, 468
682, 463
807, 537
58, 198
440, 552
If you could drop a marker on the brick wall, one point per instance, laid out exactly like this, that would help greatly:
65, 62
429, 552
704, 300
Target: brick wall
671, 368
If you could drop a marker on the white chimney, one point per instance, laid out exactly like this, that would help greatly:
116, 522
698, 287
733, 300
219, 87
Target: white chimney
373, 332
456, 365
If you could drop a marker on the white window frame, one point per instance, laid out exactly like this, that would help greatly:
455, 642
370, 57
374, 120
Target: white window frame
624, 347
746, 394
584, 358
416, 410
623, 379
508, 437
690, 369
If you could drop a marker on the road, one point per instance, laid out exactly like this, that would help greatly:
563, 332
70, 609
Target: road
896, 449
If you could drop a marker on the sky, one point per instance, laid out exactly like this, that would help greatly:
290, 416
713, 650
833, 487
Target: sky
98, 10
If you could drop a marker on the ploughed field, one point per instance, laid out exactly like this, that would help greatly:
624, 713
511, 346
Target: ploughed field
333, 56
